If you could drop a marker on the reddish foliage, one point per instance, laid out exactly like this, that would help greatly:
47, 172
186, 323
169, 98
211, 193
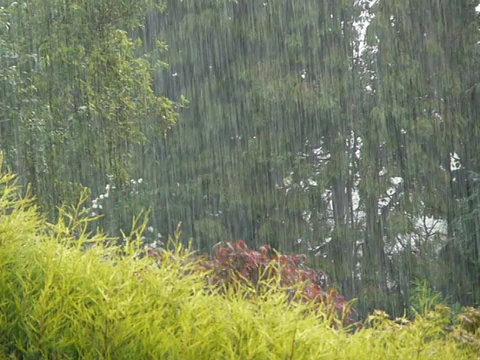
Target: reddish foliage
234, 263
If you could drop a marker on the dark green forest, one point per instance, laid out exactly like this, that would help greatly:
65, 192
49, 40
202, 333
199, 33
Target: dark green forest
347, 130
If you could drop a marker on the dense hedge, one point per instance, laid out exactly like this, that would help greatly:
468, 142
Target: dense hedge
65, 294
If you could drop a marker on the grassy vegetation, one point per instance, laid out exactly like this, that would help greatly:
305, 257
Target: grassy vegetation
67, 295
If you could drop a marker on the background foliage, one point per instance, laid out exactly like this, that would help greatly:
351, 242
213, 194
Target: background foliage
344, 129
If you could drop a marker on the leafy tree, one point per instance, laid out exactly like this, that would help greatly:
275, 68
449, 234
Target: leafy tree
269, 85
421, 113
77, 98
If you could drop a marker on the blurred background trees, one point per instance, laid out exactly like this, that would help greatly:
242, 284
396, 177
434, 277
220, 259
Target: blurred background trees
343, 129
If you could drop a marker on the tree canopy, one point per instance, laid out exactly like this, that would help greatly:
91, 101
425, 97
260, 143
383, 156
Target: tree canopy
343, 129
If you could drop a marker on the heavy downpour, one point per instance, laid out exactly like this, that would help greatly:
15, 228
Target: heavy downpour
338, 137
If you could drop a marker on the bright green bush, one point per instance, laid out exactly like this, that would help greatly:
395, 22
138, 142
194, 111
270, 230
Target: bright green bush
65, 294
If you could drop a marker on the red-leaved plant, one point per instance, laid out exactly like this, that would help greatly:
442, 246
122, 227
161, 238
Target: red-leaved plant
233, 265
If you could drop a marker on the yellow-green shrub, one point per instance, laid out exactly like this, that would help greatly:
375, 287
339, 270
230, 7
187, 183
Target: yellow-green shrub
67, 295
